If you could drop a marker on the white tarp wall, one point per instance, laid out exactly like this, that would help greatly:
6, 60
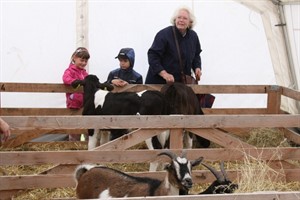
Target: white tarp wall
38, 38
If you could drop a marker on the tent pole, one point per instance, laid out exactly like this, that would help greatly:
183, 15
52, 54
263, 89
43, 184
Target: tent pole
82, 27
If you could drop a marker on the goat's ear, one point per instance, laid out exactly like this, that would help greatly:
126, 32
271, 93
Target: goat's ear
106, 86
197, 161
167, 166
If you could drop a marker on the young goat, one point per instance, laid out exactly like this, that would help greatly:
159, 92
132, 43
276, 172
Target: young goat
222, 184
103, 182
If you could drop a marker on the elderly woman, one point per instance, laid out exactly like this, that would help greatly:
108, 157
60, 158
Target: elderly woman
163, 57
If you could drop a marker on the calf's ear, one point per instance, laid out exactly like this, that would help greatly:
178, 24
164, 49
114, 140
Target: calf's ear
76, 84
197, 161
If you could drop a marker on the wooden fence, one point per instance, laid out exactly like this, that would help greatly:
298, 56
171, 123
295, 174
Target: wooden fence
221, 126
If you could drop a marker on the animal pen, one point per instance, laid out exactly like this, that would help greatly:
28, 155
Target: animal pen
220, 126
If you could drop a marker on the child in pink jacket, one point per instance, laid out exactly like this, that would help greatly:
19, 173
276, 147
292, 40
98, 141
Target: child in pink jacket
76, 71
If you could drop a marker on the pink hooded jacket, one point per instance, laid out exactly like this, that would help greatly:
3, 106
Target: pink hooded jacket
72, 73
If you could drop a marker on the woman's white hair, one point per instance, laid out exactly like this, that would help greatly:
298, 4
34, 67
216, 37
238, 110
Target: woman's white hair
190, 13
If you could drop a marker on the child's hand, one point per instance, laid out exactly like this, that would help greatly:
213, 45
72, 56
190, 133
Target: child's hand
119, 82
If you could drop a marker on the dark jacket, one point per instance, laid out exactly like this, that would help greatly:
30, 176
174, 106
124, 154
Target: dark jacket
163, 55
129, 75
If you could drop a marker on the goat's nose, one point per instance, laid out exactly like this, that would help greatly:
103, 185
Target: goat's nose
188, 183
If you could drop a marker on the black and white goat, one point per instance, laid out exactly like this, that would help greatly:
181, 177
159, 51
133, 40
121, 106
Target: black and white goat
222, 184
102, 102
103, 182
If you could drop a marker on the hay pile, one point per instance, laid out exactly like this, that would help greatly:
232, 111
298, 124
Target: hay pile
267, 137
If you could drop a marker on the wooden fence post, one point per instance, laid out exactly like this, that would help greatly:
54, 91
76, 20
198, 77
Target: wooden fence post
274, 99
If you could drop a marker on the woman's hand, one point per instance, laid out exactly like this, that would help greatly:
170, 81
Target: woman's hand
168, 77
198, 74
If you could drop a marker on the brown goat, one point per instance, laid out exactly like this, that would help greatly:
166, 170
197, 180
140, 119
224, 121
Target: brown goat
103, 182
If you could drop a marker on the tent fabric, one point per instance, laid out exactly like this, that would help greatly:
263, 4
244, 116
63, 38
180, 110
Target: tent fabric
285, 65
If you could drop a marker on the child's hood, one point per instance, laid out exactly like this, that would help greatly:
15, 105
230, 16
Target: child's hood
127, 53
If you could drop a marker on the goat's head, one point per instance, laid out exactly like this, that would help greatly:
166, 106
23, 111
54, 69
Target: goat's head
222, 184
179, 169
92, 82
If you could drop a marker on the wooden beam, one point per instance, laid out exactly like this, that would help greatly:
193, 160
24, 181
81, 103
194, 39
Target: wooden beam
141, 156
129, 140
240, 196
221, 138
176, 138
151, 121
67, 180
39, 111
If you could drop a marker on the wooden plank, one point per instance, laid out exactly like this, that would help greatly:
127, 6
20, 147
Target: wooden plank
234, 111
129, 140
25, 137
66, 111
39, 111
61, 88
142, 156
151, 121
221, 138
67, 180
8, 194
37, 87
240, 132
266, 195
176, 138
291, 135
288, 92
229, 89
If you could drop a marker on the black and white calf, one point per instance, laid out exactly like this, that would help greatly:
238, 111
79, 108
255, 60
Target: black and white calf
97, 101
103, 182
103, 102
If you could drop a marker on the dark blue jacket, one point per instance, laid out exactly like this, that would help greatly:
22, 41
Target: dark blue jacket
129, 75
163, 55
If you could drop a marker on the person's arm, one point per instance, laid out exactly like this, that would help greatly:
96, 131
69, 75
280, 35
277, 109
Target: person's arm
68, 78
197, 64
4, 130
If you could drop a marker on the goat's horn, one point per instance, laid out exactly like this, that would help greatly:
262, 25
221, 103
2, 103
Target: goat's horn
218, 176
223, 170
168, 153
183, 154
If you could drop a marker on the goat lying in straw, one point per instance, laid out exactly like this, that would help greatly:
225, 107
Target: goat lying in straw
103, 182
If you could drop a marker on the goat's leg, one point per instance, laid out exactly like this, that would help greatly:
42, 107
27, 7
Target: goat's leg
153, 165
93, 139
158, 142
104, 136
187, 140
